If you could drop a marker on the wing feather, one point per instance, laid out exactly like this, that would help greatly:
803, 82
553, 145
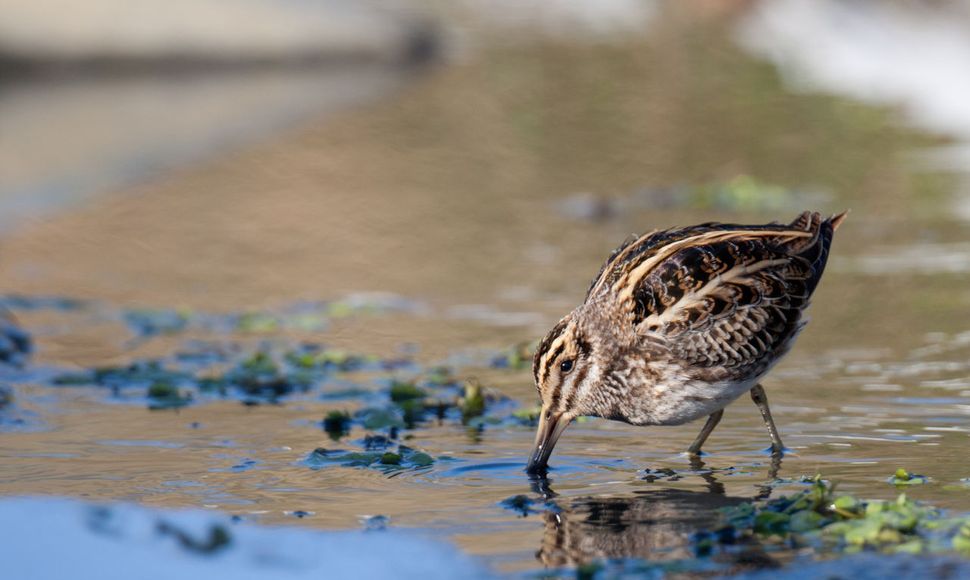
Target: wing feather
722, 296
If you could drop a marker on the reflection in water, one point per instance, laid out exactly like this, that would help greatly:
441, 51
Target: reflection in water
654, 525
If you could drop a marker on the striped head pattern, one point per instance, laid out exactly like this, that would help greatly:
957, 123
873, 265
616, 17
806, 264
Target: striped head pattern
564, 366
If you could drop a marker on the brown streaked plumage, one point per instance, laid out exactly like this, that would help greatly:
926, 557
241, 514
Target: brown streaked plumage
678, 324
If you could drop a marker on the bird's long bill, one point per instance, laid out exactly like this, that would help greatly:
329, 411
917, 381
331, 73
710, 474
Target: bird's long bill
551, 426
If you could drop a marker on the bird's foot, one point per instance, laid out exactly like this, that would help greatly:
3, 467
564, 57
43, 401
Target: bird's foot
778, 451
694, 453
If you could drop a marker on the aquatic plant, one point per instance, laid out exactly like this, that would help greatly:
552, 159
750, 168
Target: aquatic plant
519, 357
528, 416
742, 193
165, 395
315, 357
388, 461
821, 518
138, 374
402, 392
261, 379
337, 424
473, 403
375, 418
440, 376
903, 478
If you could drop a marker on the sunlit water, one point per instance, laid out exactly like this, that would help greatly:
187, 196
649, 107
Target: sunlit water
460, 197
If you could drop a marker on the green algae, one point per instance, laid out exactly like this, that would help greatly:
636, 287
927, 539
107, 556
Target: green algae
161, 390
73, 379
843, 523
528, 416
402, 392
374, 418
315, 317
473, 403
390, 458
315, 358
903, 478
420, 459
267, 374
260, 378
410, 399
337, 424
412, 412
273, 372
257, 322
165, 395
404, 458
260, 363
140, 373
741, 193
440, 376
519, 357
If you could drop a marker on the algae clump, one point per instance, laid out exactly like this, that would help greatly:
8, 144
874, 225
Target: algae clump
336, 424
847, 524
404, 392
903, 477
473, 403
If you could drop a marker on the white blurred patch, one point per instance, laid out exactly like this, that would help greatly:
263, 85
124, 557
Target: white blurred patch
921, 258
912, 55
59, 538
582, 18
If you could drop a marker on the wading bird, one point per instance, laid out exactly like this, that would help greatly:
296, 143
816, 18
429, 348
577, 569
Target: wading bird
678, 324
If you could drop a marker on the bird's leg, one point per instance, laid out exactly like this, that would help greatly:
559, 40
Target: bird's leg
761, 400
712, 421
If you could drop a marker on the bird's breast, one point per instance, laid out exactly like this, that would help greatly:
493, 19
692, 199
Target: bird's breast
681, 401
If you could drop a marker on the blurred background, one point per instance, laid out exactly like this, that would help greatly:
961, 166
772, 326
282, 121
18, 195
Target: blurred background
245, 154
465, 166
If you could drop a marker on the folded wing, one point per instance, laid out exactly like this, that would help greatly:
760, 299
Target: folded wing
723, 297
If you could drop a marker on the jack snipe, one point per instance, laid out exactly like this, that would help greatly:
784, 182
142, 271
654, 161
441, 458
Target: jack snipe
678, 324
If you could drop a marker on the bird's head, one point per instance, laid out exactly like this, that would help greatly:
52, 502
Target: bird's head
567, 370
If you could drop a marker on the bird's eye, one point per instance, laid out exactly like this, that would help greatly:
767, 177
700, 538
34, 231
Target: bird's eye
566, 366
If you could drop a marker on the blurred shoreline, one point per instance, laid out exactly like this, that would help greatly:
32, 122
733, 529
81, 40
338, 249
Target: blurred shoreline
117, 93
418, 46
505, 130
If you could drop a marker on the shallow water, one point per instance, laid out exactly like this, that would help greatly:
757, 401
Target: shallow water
482, 199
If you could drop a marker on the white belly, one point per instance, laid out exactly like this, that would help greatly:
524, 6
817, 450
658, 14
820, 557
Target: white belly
681, 403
